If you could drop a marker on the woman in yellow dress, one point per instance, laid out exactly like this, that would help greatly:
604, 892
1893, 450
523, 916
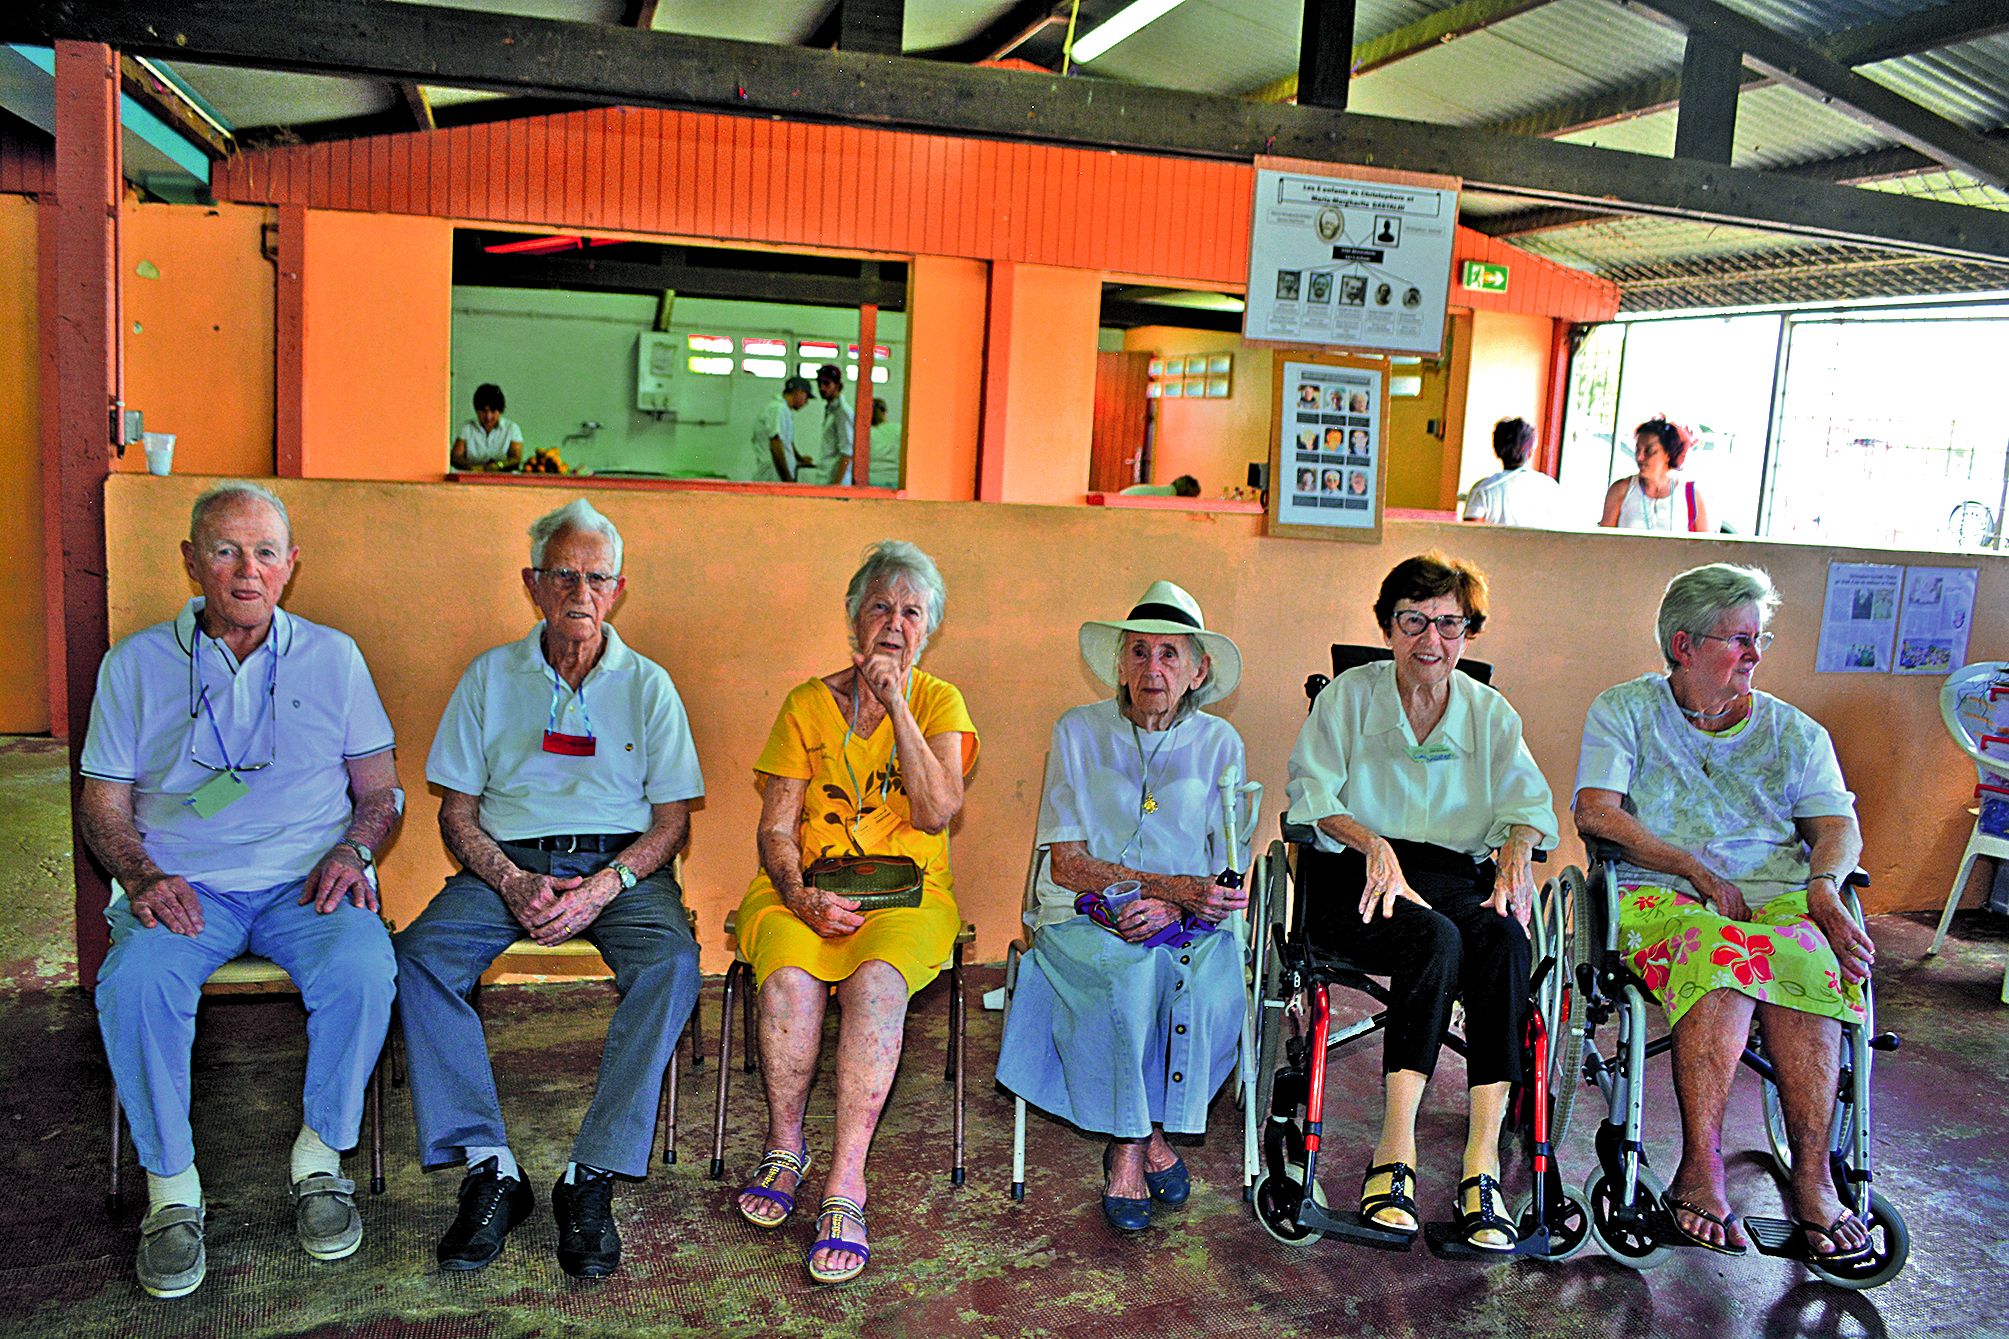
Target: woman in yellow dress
869, 760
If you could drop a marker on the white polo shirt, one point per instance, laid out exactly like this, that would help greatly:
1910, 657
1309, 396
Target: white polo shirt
485, 445
1462, 788
775, 419
303, 702
491, 742
840, 423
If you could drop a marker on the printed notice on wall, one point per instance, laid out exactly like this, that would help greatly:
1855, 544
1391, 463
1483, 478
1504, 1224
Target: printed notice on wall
1934, 619
1330, 452
1859, 620
1351, 257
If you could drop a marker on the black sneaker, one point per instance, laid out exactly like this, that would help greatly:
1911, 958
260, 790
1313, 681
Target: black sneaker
490, 1205
588, 1245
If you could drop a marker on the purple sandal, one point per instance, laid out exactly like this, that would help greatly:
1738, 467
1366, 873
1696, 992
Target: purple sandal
772, 1165
839, 1208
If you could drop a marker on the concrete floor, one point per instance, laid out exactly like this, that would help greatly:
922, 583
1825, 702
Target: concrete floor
948, 1260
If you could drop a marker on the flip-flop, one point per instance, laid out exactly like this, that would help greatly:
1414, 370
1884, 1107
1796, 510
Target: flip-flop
772, 1165
1838, 1256
1671, 1205
839, 1208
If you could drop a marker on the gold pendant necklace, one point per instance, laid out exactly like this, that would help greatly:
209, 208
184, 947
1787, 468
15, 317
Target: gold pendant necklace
1147, 799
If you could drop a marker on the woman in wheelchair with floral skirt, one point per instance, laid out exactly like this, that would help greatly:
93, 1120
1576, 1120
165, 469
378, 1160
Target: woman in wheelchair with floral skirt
1427, 809
1734, 832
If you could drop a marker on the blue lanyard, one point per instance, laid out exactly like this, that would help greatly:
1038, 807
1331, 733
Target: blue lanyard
264, 707
551, 717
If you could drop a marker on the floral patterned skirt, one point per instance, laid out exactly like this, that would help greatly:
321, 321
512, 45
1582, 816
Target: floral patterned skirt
1683, 951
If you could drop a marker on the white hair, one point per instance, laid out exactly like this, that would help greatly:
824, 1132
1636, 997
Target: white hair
578, 514
1696, 599
216, 495
893, 562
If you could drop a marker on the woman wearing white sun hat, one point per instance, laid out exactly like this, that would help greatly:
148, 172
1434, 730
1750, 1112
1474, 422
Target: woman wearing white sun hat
1127, 1013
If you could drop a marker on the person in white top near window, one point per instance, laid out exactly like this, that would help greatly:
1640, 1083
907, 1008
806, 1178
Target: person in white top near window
775, 459
1519, 494
839, 424
1658, 497
488, 438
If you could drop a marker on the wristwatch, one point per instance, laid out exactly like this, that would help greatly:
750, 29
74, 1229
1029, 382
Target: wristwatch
624, 874
363, 853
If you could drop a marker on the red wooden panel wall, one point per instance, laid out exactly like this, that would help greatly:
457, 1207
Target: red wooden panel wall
27, 158
641, 169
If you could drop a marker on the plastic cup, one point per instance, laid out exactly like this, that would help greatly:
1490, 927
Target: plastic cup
159, 451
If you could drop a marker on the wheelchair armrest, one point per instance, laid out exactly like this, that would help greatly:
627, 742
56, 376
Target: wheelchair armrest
1297, 834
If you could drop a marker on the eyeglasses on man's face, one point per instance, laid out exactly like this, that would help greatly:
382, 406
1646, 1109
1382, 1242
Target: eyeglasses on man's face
564, 578
1743, 641
1450, 627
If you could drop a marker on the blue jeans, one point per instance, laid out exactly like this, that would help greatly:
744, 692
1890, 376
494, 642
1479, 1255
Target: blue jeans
152, 979
645, 939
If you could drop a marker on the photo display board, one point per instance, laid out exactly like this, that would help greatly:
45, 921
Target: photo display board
1350, 256
1327, 454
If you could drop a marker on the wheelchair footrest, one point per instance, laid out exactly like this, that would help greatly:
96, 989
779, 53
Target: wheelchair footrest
1447, 1242
1774, 1236
1352, 1228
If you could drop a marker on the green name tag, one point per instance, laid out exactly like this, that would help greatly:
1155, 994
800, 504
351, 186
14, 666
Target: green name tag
1439, 752
216, 794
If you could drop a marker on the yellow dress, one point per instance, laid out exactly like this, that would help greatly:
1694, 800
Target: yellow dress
808, 743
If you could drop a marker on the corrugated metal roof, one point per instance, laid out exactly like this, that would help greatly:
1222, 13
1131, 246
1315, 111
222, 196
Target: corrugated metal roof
1967, 84
1776, 127
1209, 46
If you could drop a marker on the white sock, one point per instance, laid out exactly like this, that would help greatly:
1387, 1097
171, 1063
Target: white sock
184, 1187
575, 1168
311, 1156
505, 1161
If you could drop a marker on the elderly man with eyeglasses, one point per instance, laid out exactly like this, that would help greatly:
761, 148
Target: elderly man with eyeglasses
237, 776
568, 771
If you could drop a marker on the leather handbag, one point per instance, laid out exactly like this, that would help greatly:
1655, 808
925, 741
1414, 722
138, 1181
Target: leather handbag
874, 882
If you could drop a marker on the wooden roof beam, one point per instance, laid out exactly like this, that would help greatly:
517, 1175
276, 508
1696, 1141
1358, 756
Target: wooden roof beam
1426, 34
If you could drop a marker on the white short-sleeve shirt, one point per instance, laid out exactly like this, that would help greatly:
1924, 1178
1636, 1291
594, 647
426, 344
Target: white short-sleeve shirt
1095, 790
1462, 789
775, 419
1730, 798
1524, 496
840, 424
491, 742
303, 703
484, 446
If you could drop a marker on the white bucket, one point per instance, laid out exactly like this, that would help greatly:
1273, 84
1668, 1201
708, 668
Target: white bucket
159, 451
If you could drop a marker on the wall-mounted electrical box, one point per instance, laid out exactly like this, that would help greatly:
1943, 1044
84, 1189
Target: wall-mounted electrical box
658, 365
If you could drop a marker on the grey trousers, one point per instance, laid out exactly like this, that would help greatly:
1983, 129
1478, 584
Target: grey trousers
645, 938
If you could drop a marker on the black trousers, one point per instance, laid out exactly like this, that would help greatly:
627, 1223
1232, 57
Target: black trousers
1457, 946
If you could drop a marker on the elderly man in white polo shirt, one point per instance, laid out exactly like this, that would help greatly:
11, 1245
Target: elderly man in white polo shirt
568, 769
238, 775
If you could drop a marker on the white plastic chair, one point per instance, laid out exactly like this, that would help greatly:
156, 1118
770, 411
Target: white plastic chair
1966, 704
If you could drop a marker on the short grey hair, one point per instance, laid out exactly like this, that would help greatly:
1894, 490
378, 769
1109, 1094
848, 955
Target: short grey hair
229, 490
578, 514
893, 562
1188, 702
1695, 600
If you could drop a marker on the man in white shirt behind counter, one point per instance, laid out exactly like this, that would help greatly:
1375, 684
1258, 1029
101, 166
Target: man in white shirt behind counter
1520, 494
775, 459
238, 775
568, 771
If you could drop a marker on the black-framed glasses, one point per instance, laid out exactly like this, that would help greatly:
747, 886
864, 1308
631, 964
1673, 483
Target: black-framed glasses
1412, 622
1743, 641
565, 578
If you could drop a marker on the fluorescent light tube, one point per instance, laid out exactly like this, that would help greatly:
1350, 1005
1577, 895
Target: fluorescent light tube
1122, 24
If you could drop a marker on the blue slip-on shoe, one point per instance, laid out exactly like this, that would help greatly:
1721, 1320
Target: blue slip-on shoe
1172, 1186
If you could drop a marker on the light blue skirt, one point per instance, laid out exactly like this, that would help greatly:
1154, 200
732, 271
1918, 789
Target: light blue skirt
1115, 1038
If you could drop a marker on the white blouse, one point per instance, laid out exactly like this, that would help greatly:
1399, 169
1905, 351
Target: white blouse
1462, 788
1096, 788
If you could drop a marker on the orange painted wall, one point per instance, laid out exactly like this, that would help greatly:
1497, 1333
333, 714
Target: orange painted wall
1509, 378
24, 666
199, 334
1212, 440
1017, 595
377, 296
945, 376
1046, 371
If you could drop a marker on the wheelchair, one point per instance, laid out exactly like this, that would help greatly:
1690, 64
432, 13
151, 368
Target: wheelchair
1623, 1194
1296, 1036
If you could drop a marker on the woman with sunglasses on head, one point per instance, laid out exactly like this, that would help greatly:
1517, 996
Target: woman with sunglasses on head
1735, 831
1427, 809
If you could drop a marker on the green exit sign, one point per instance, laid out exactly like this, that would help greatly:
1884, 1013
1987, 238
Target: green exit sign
1483, 276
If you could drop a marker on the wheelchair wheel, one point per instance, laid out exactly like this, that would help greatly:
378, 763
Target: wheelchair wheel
1275, 1200
1279, 1025
1570, 1231
1629, 1246
1562, 933
1890, 1247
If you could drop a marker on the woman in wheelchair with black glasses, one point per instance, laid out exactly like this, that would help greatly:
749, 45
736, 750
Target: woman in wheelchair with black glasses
1734, 832
1427, 808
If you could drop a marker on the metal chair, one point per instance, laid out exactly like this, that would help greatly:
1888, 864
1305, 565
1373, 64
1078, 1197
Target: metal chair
1967, 706
741, 974
249, 974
